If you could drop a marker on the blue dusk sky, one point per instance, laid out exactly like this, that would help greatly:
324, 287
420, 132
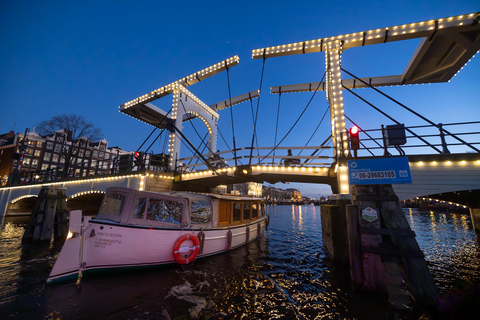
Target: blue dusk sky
89, 57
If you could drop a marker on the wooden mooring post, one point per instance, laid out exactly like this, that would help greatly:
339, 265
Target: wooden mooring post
334, 228
381, 244
49, 216
475, 215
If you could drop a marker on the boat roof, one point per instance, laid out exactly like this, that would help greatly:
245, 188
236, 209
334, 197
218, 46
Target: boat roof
191, 195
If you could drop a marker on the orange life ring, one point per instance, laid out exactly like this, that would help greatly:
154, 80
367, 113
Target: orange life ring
176, 249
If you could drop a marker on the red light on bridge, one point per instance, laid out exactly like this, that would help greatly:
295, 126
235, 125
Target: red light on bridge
354, 139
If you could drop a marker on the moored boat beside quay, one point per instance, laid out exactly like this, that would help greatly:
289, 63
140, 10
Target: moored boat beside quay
141, 228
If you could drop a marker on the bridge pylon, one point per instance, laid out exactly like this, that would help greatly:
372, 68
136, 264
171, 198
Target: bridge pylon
340, 139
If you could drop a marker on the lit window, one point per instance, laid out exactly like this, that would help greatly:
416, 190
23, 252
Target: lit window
26, 162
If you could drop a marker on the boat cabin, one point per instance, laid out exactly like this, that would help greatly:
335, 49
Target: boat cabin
178, 209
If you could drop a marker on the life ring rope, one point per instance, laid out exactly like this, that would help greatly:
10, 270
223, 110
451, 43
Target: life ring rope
178, 250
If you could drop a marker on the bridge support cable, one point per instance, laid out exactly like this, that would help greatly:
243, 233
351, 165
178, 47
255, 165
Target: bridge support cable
412, 111
231, 114
392, 119
228, 147
315, 131
203, 149
155, 140
155, 128
296, 122
253, 123
366, 134
184, 138
165, 143
276, 124
321, 150
195, 129
256, 114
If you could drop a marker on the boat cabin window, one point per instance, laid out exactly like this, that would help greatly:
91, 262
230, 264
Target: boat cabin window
246, 211
254, 210
140, 208
165, 211
237, 211
201, 211
112, 205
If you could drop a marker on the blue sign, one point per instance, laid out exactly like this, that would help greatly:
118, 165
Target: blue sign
389, 170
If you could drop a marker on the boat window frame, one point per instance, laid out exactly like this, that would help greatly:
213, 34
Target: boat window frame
233, 212
135, 202
191, 212
257, 204
249, 203
231, 204
155, 223
184, 205
114, 217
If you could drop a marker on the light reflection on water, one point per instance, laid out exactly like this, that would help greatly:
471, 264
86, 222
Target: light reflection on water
285, 275
449, 244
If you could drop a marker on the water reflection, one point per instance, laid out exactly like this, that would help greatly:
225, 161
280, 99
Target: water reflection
285, 275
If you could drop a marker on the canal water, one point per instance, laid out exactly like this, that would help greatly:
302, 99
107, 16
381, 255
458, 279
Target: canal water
285, 275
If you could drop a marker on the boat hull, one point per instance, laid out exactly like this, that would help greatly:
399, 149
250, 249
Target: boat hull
102, 245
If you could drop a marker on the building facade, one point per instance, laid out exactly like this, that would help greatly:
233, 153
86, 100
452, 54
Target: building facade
32, 156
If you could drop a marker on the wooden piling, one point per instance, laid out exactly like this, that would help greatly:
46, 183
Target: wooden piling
475, 215
354, 248
49, 216
334, 231
385, 237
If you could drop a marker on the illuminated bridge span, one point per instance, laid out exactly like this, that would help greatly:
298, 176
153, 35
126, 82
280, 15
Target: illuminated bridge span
446, 45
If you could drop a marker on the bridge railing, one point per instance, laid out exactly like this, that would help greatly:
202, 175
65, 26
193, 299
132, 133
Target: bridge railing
460, 137
51, 175
260, 156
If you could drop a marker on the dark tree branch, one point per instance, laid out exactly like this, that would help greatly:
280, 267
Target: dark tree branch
78, 125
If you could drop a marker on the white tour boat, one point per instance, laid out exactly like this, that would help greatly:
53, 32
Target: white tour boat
141, 228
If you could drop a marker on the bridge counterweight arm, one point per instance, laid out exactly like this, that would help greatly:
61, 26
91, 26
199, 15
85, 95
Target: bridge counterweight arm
359, 39
185, 82
349, 83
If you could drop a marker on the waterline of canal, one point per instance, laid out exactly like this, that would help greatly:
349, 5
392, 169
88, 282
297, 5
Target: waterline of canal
285, 275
